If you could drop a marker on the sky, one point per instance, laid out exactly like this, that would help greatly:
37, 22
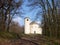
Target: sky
28, 11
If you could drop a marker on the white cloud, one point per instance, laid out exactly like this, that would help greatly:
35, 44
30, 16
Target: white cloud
19, 20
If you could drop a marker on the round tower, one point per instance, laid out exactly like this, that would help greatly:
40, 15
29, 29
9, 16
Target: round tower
27, 25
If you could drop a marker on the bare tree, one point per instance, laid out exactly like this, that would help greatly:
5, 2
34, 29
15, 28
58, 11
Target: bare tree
6, 9
15, 27
50, 18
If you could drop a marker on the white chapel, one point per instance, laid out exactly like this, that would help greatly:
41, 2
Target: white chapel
31, 27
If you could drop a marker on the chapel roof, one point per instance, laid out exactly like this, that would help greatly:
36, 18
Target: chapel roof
33, 23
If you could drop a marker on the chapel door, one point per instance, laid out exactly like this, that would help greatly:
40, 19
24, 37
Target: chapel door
34, 32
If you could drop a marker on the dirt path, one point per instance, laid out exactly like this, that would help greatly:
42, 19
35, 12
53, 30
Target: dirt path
28, 41
18, 42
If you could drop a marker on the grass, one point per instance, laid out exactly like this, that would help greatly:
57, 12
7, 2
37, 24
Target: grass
12, 35
8, 35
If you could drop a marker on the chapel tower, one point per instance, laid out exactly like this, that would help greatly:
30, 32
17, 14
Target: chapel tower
27, 26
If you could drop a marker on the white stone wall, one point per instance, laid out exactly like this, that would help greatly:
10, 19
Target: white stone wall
27, 26
35, 29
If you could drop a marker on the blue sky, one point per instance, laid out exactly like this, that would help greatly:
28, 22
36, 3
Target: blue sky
28, 11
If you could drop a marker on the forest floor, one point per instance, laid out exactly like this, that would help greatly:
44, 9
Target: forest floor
41, 40
27, 40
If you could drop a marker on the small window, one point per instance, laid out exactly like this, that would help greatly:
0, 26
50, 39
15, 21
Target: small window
27, 19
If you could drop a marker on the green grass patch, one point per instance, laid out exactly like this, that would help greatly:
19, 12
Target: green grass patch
8, 35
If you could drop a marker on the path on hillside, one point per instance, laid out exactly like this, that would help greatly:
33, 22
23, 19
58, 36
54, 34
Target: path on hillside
38, 41
24, 42
42, 40
18, 42
28, 41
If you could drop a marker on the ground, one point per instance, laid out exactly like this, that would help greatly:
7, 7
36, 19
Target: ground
30, 40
